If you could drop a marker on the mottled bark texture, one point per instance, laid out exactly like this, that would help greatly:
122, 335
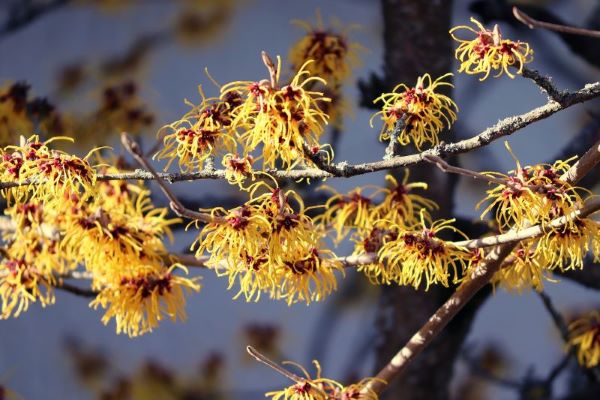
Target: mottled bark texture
416, 41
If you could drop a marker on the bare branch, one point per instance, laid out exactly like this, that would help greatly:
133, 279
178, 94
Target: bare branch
24, 13
556, 317
271, 364
76, 290
134, 149
534, 23
545, 83
393, 148
445, 167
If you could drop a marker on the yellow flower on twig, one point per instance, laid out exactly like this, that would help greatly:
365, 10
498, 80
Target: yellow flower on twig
416, 114
489, 51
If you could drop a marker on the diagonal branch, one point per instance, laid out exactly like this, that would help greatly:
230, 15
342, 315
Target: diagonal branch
479, 278
134, 149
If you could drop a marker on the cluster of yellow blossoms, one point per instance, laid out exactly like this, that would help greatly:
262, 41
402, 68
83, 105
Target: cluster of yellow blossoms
536, 195
417, 115
281, 120
269, 245
286, 121
61, 218
319, 388
421, 111
400, 231
334, 54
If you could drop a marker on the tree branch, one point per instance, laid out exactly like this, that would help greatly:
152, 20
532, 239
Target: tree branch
504, 127
534, 23
479, 278
134, 149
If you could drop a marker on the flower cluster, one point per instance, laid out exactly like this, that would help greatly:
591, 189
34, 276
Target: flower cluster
418, 252
282, 119
417, 114
399, 230
533, 195
489, 51
47, 173
205, 131
319, 388
269, 246
584, 335
141, 298
61, 218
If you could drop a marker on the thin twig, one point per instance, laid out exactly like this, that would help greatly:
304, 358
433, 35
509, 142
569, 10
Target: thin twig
545, 83
393, 148
558, 368
268, 61
271, 364
76, 290
534, 23
134, 149
23, 14
444, 166
558, 320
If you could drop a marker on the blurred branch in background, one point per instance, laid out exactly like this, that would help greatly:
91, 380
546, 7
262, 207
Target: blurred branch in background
20, 13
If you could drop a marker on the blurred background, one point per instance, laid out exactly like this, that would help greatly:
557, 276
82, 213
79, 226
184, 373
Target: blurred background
79, 58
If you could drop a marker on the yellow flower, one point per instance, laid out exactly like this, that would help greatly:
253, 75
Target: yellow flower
584, 335
531, 195
126, 233
307, 279
333, 53
22, 283
489, 51
319, 388
138, 302
49, 173
237, 168
419, 253
346, 211
400, 206
565, 248
525, 270
280, 119
203, 132
267, 246
425, 111
371, 241
238, 249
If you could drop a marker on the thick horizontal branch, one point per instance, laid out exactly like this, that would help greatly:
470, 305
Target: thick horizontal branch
504, 127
